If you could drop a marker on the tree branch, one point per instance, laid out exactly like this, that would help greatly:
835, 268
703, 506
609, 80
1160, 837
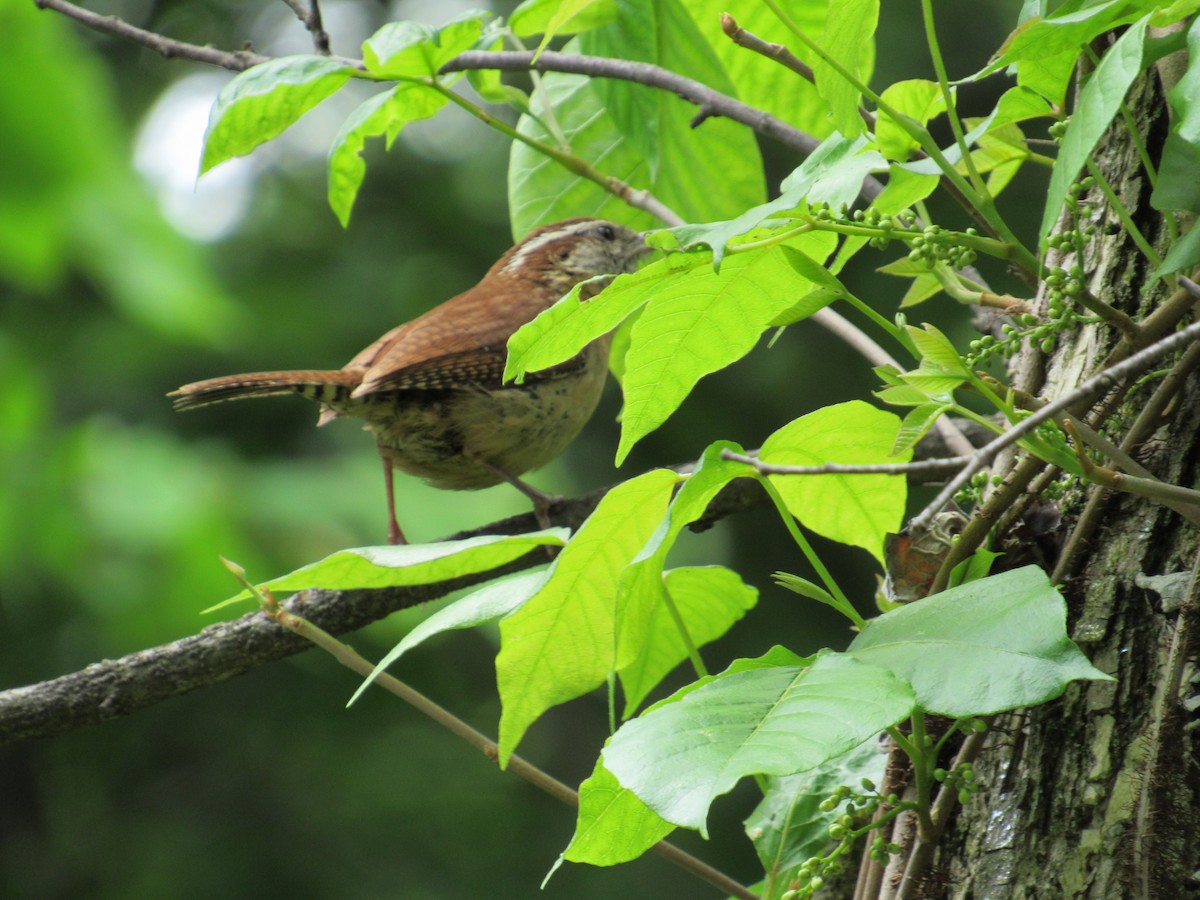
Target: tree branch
237, 61
710, 101
115, 688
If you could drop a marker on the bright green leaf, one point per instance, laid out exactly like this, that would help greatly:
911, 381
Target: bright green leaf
495, 601
1099, 101
640, 592
635, 133
385, 113
547, 16
260, 103
710, 600
702, 323
987, 646
679, 756
416, 50
852, 509
613, 826
917, 424
936, 350
560, 644
560, 332
849, 27
409, 564
918, 99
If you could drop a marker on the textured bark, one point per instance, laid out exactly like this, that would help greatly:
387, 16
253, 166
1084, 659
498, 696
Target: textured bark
1097, 795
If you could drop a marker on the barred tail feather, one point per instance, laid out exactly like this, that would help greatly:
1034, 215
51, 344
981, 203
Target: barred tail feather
324, 387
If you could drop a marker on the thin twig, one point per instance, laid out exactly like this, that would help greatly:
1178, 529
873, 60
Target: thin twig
712, 101
1108, 378
520, 767
310, 16
777, 52
237, 61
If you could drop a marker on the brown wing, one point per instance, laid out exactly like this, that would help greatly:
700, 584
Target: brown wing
450, 338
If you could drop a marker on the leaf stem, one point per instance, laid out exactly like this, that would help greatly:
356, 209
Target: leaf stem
823, 573
982, 203
517, 765
939, 67
638, 199
693, 654
1123, 214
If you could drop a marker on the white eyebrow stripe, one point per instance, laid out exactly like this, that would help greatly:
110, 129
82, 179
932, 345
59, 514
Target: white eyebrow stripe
531, 246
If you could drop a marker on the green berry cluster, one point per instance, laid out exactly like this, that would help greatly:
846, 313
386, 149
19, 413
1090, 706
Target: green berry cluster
845, 830
960, 778
935, 244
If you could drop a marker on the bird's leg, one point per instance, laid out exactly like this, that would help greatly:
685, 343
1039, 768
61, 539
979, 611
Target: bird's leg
395, 535
541, 500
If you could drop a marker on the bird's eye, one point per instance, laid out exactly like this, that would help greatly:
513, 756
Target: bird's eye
606, 232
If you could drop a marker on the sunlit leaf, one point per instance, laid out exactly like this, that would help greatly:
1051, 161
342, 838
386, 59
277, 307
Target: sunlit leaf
613, 826
385, 113
849, 25
262, 102
409, 564
560, 643
702, 323
853, 509
484, 605
415, 50
1099, 101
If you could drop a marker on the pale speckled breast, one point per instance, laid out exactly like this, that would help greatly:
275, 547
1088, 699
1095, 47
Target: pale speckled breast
436, 435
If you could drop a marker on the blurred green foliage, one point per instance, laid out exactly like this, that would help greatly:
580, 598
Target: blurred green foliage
113, 509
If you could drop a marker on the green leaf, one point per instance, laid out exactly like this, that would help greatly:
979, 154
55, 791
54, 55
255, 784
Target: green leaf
1073, 25
560, 644
1178, 187
916, 98
710, 600
852, 509
409, 564
760, 82
788, 826
936, 351
484, 605
551, 17
613, 826
849, 27
1099, 101
260, 103
833, 174
385, 113
806, 588
643, 647
679, 756
702, 323
1002, 151
561, 331
416, 50
917, 424
987, 646
1184, 254
635, 133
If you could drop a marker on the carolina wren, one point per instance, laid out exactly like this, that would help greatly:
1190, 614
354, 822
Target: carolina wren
430, 391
